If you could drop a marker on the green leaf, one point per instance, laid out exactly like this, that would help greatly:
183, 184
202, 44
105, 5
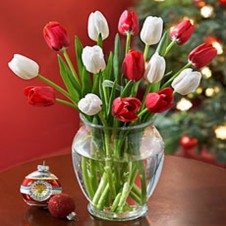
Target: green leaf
116, 57
78, 52
127, 90
111, 84
68, 79
108, 70
112, 97
164, 42
86, 82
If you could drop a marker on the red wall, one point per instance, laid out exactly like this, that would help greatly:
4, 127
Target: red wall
29, 132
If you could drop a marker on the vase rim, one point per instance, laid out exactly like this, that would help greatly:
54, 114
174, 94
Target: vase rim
133, 127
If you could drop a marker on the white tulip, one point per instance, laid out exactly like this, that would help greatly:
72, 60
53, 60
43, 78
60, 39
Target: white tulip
151, 31
186, 81
24, 67
97, 24
90, 104
93, 59
155, 69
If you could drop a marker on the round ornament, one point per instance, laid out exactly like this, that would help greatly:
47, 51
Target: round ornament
62, 206
39, 186
187, 142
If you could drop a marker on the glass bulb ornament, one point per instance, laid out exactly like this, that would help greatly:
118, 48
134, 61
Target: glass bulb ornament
39, 186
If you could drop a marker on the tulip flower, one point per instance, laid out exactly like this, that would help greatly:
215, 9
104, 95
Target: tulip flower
93, 59
40, 95
151, 31
133, 65
186, 81
155, 68
202, 55
160, 101
56, 36
97, 24
90, 104
182, 32
128, 22
24, 67
124, 109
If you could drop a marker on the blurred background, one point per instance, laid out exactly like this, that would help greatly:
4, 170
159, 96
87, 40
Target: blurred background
195, 128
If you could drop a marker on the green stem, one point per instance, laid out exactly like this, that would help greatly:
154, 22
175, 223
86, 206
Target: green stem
116, 202
93, 174
102, 185
146, 51
168, 83
128, 39
172, 43
99, 41
135, 197
95, 83
140, 166
66, 103
86, 178
148, 89
142, 113
71, 66
136, 190
108, 154
102, 199
55, 86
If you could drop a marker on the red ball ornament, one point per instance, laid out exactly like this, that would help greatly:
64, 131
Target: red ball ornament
187, 142
62, 206
222, 2
39, 186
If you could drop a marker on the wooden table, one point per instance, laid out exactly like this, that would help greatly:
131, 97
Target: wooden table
189, 193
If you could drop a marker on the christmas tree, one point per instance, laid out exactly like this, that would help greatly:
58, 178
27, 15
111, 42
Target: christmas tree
197, 124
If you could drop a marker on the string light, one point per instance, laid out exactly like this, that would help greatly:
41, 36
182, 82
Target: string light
209, 92
206, 72
220, 132
199, 90
216, 89
183, 105
206, 11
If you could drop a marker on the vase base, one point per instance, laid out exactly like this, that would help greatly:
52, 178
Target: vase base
136, 212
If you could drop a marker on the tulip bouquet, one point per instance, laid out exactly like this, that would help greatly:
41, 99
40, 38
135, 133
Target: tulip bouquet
107, 91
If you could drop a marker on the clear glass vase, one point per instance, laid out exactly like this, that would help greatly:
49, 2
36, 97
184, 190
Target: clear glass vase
118, 168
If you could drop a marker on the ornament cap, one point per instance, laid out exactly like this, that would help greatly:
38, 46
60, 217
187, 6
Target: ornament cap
71, 216
43, 168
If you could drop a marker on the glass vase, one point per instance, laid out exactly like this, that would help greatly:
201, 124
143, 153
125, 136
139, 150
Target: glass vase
118, 168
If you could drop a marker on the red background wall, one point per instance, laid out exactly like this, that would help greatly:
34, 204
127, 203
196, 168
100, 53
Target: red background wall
29, 132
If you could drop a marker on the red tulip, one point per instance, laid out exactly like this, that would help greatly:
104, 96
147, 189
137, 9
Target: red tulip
160, 101
133, 65
128, 22
40, 95
202, 55
124, 109
56, 36
182, 32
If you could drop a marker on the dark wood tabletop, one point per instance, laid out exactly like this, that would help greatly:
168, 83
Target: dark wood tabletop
189, 193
